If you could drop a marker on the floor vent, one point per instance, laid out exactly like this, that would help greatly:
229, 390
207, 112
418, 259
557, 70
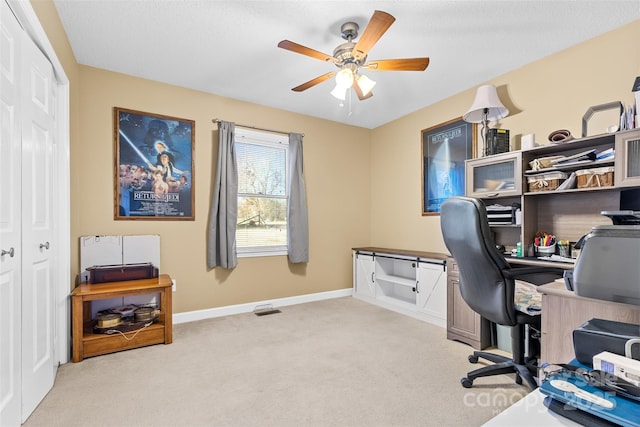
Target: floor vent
263, 310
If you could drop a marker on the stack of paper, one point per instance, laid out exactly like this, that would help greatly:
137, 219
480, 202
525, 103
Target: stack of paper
589, 155
499, 215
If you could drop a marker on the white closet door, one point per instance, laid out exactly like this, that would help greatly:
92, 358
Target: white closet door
10, 218
38, 198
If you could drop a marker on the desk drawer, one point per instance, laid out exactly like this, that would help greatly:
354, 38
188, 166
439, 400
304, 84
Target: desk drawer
452, 267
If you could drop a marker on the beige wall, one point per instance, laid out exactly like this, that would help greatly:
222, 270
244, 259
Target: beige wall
336, 170
549, 94
363, 186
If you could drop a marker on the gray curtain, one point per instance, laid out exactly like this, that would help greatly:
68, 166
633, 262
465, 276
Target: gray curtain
297, 216
223, 214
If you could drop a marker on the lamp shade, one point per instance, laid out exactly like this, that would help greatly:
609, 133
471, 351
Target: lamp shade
344, 78
486, 98
339, 92
365, 84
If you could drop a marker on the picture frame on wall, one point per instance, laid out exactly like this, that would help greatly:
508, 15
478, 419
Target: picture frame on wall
445, 147
154, 166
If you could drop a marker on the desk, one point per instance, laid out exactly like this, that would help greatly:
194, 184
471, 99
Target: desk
86, 343
537, 262
563, 311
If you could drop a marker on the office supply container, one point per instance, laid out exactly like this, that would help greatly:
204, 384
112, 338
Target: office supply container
595, 177
546, 181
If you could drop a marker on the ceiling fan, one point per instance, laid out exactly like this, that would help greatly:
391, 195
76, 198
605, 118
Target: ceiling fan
350, 57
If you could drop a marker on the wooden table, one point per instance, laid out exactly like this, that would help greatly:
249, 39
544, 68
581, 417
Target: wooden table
563, 311
86, 343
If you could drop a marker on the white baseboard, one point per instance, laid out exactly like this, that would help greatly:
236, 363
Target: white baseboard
406, 309
191, 316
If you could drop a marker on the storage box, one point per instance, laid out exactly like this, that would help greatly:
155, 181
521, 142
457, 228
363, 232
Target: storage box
543, 162
120, 272
546, 181
597, 177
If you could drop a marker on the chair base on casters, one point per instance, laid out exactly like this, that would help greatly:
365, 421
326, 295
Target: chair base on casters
502, 365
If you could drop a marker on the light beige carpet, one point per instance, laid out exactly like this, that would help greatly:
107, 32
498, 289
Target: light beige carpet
338, 362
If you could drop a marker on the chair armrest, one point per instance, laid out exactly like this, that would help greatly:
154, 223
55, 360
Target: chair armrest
535, 275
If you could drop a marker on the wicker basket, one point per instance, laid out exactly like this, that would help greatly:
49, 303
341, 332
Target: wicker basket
597, 177
543, 162
546, 181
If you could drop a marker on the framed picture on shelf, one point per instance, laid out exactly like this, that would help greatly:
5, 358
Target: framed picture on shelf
445, 147
154, 174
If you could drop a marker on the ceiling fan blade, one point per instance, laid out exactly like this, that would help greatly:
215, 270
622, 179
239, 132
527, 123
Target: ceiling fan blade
406, 64
311, 83
379, 23
361, 97
298, 48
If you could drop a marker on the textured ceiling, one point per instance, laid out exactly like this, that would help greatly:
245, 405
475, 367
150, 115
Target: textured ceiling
229, 48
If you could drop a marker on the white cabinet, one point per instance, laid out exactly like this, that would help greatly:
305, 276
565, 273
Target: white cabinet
409, 282
363, 272
432, 291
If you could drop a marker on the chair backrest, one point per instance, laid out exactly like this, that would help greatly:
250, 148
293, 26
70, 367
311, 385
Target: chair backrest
483, 285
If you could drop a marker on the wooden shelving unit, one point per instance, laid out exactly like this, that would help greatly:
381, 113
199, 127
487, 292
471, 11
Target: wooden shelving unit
87, 344
568, 214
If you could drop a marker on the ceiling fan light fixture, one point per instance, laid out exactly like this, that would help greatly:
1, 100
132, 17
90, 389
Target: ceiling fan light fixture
344, 78
340, 92
365, 84
351, 56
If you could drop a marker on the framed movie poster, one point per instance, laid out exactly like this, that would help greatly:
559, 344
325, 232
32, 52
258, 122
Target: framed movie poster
445, 147
154, 175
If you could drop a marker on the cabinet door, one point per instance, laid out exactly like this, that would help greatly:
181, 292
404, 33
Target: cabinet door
627, 165
461, 320
363, 281
494, 176
432, 290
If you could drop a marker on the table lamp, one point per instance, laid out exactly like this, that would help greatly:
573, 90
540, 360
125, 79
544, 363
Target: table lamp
486, 107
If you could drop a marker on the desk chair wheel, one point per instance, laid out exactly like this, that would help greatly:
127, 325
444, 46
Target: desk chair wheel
473, 358
466, 382
518, 379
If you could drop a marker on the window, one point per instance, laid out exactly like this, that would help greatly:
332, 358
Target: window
263, 162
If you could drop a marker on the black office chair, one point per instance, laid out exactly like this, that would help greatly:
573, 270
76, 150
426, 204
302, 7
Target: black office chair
487, 285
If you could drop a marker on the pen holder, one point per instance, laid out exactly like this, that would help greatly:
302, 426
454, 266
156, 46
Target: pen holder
546, 250
564, 251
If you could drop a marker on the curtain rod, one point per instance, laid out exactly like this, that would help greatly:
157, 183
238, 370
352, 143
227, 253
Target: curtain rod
254, 127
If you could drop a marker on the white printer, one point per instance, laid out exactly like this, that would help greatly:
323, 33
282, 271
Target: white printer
608, 267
